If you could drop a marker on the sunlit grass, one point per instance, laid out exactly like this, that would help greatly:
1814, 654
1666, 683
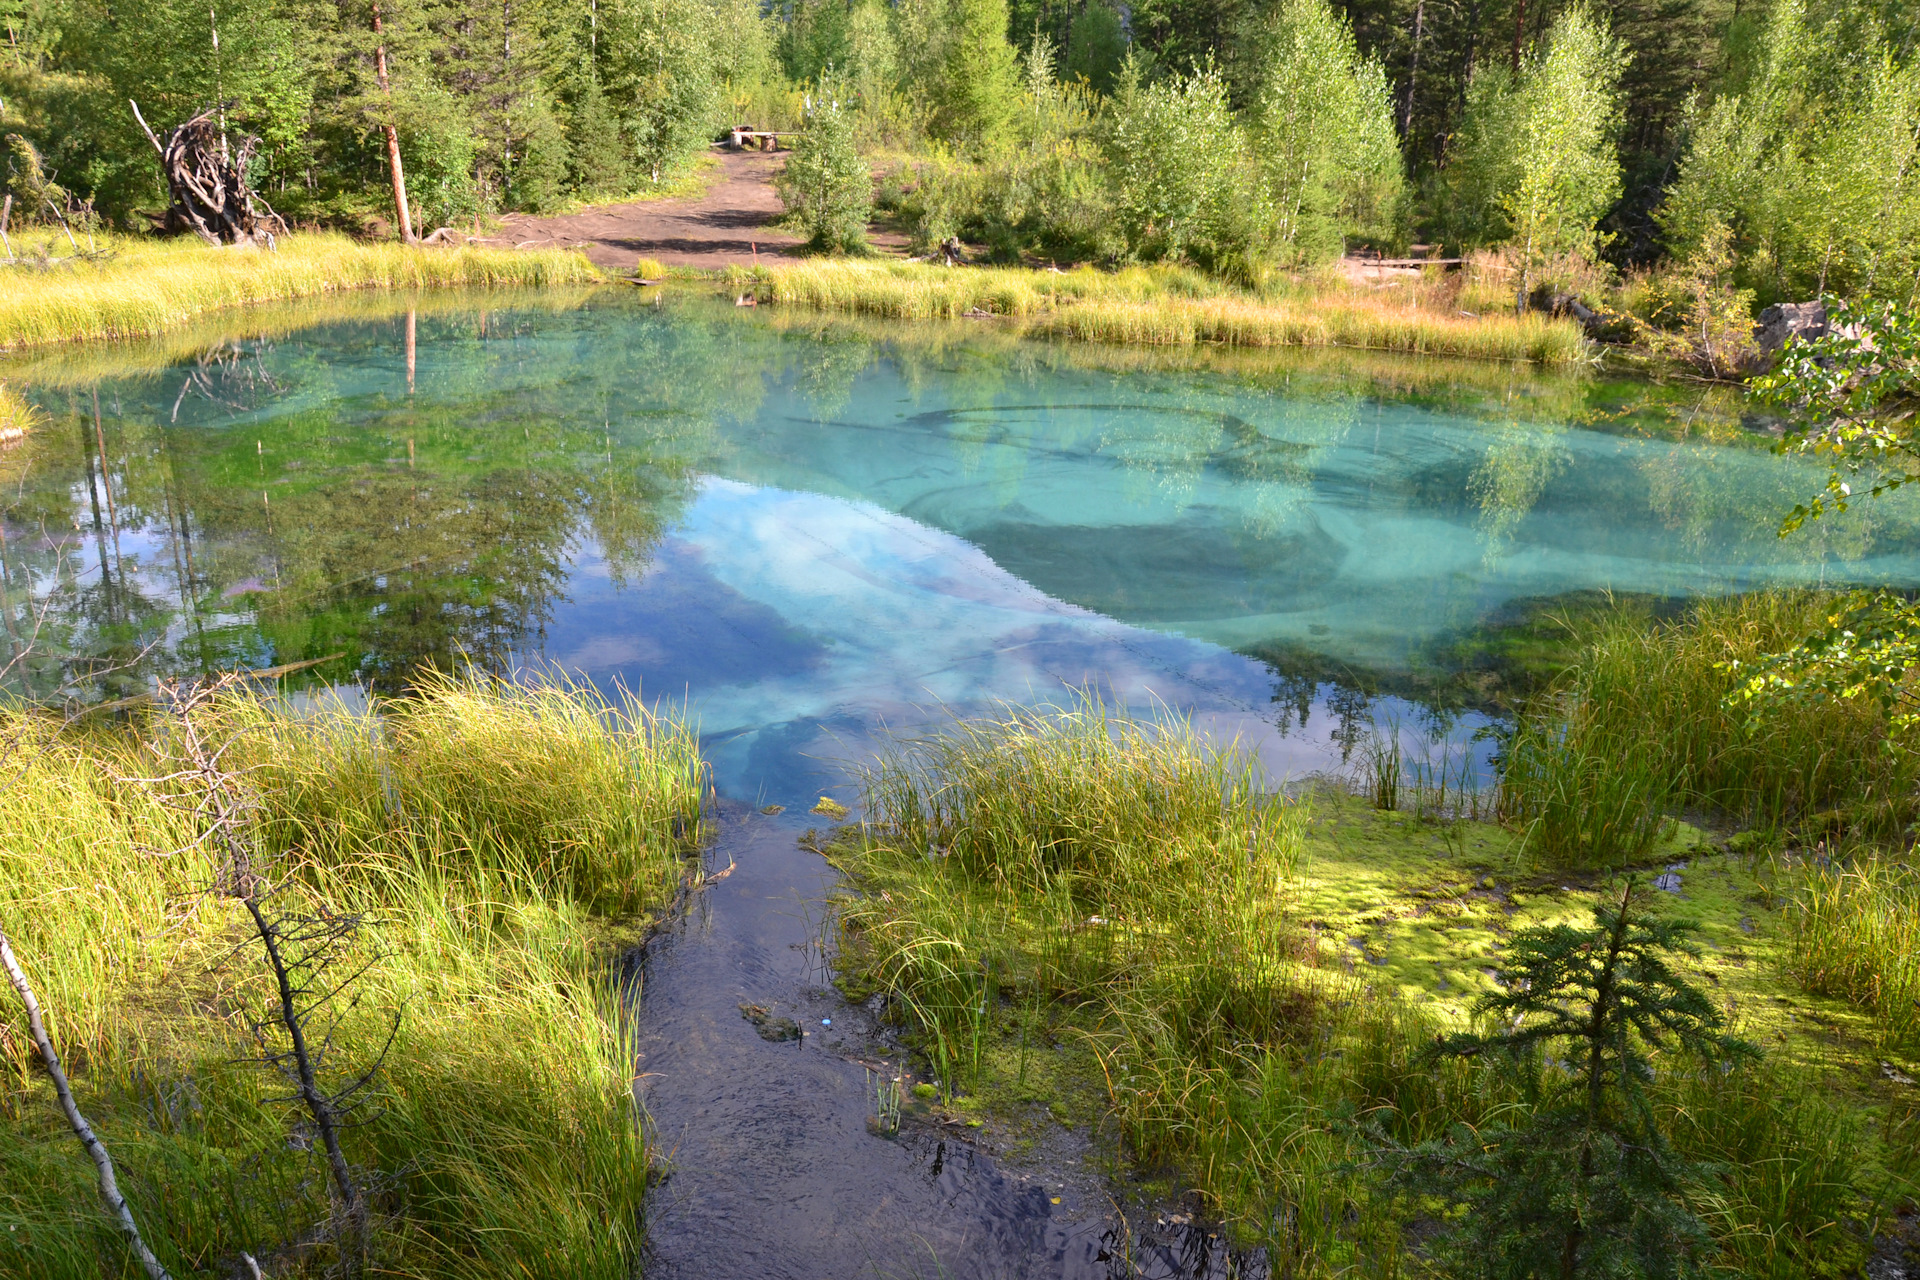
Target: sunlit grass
142, 286
1164, 306
1078, 881
494, 838
1856, 935
1645, 721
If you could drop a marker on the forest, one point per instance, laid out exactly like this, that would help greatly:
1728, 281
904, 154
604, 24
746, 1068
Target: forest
1691, 160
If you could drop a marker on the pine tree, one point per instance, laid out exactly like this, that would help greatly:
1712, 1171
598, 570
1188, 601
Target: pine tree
980, 82
1586, 1184
1096, 47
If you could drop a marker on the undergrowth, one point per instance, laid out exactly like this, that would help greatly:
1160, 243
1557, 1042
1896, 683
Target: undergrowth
494, 838
1645, 721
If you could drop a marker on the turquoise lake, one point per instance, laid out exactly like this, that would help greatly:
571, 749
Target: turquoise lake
808, 532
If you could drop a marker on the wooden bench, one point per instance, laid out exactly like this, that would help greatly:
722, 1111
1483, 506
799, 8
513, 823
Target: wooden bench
744, 139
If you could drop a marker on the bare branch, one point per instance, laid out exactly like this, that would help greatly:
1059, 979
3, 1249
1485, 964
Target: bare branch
109, 1185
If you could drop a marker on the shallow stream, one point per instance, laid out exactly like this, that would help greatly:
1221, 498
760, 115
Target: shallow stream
807, 534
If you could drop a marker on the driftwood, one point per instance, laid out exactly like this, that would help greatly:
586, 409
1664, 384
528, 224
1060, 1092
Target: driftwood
207, 180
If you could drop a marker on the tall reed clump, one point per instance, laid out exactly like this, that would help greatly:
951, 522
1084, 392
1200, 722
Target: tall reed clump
484, 833
1645, 721
146, 288
1161, 306
1854, 933
1074, 875
1145, 853
1126, 882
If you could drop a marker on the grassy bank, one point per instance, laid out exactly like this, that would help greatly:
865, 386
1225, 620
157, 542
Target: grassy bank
1161, 306
141, 287
1645, 722
1088, 920
496, 843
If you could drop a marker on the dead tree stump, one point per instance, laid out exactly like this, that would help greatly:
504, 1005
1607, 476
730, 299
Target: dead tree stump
207, 179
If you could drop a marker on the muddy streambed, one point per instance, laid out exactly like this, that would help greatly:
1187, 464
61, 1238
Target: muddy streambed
806, 536
771, 1164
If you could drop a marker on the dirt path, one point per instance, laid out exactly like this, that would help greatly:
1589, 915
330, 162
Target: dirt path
732, 222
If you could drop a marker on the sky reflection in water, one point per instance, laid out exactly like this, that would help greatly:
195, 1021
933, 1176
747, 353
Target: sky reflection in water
811, 534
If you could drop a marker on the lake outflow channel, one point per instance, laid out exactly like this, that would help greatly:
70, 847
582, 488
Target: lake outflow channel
771, 1170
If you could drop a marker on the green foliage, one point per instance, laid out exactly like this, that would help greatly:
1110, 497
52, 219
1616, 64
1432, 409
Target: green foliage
1697, 315
1329, 159
1810, 158
35, 197
825, 185
1096, 47
979, 90
659, 65
1849, 397
1177, 162
1581, 1180
1535, 167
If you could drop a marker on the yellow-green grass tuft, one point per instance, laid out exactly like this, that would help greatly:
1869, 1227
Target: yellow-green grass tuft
145, 287
1856, 935
1647, 720
1162, 306
1078, 887
494, 839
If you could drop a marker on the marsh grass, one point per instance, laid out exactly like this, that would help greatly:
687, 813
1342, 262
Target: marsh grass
1794, 1178
1855, 933
1644, 722
144, 287
1072, 876
1160, 306
79, 365
487, 833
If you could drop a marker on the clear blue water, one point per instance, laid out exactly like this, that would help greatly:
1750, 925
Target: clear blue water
806, 535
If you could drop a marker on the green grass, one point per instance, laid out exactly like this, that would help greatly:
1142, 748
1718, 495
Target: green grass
141, 287
1642, 723
1160, 306
1856, 935
1087, 919
498, 840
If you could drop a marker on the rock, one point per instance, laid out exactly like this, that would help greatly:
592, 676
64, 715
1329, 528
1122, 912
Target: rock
1784, 320
770, 1027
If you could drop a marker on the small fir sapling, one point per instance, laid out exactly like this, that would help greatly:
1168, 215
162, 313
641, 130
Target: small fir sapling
1582, 1182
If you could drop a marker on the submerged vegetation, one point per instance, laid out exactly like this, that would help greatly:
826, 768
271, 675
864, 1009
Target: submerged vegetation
491, 841
139, 288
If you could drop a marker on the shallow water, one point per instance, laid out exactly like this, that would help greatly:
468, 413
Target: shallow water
807, 536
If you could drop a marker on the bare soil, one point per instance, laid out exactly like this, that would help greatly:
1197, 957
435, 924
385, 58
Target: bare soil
732, 222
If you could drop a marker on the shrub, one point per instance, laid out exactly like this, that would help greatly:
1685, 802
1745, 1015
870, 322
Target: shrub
825, 185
